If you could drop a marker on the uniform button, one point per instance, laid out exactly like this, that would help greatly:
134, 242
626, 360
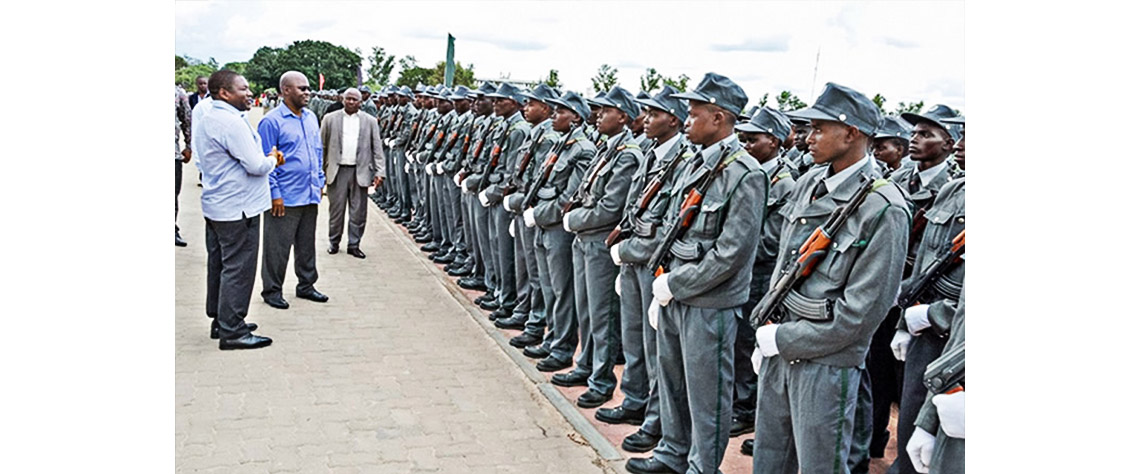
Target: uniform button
803, 221
961, 220
834, 245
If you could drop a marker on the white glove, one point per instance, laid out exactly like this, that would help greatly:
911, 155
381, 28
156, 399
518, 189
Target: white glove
528, 217
654, 312
757, 359
766, 340
617, 285
458, 183
916, 318
566, 223
511, 229
505, 206
952, 413
899, 344
390, 142
439, 168
920, 449
429, 169
483, 199
661, 291
407, 167
615, 254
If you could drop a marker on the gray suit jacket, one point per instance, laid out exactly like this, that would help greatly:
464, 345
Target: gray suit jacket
369, 154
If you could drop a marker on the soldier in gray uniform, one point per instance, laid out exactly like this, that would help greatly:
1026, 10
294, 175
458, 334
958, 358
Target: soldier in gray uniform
938, 445
552, 242
507, 138
664, 163
441, 240
598, 206
485, 277
891, 145
763, 135
421, 223
446, 167
703, 284
402, 134
809, 363
530, 314
922, 329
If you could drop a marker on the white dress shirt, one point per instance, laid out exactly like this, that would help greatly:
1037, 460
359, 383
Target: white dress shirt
349, 138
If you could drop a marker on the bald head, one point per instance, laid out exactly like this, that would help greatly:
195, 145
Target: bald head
354, 92
294, 88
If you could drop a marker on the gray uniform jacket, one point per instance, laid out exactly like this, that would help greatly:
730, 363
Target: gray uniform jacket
605, 199
404, 134
928, 415
646, 230
780, 187
563, 181
511, 134
450, 158
443, 127
711, 265
547, 139
476, 149
830, 317
945, 219
924, 196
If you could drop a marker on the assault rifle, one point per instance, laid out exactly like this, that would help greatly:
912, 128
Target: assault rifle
623, 230
478, 147
689, 208
813, 251
947, 260
548, 167
588, 181
496, 152
947, 374
517, 178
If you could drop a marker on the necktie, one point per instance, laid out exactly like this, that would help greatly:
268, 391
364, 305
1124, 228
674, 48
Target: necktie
915, 184
820, 190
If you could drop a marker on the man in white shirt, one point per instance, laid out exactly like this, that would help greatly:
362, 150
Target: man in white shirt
352, 153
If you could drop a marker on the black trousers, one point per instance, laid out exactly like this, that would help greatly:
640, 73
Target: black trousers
295, 230
177, 190
231, 265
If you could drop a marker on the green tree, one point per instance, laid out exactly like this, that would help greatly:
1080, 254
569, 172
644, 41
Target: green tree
605, 80
187, 75
681, 83
312, 58
180, 62
236, 66
411, 74
763, 100
879, 100
380, 65
651, 80
552, 79
788, 101
911, 108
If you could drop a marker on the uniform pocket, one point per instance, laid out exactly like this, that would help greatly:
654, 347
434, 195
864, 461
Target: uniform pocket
708, 220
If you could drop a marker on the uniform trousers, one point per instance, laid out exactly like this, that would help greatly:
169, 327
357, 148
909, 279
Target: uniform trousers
639, 344
557, 260
599, 311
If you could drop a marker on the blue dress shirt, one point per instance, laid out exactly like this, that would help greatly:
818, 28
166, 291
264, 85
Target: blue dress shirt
234, 183
299, 181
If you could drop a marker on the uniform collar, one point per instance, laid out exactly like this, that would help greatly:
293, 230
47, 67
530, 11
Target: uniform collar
837, 181
664, 148
928, 175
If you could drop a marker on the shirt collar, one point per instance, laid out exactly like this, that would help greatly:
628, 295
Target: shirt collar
613, 141
927, 175
221, 104
770, 165
832, 182
663, 148
714, 149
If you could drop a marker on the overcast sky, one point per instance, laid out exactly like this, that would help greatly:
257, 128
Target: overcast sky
906, 51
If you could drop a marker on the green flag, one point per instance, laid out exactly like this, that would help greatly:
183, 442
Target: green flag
449, 71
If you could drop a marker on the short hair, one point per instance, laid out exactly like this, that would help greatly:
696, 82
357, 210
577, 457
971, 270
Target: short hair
222, 79
196, 79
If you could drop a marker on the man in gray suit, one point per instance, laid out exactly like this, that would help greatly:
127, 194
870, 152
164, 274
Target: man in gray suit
352, 145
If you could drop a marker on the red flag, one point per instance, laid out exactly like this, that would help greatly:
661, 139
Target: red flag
321, 83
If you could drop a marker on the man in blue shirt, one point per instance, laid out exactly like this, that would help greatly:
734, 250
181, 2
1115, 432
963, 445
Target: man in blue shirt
235, 191
296, 191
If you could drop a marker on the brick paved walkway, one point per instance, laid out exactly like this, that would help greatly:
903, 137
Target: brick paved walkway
391, 375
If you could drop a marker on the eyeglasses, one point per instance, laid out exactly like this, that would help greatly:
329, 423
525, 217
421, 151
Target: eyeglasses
303, 88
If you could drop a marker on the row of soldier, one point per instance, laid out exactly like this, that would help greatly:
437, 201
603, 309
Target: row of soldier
754, 271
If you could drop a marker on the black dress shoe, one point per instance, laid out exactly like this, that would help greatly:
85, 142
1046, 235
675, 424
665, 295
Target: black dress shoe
461, 271
501, 313
430, 247
472, 283
422, 240
356, 253
536, 352
214, 329
489, 305
593, 398
640, 442
178, 242
248, 341
277, 302
511, 323
444, 259
550, 364
746, 446
333, 250
313, 295
742, 425
570, 379
648, 465
619, 415
484, 298
525, 340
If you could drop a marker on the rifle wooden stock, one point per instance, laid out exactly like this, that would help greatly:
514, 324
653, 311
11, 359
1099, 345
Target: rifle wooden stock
687, 214
911, 294
615, 236
548, 167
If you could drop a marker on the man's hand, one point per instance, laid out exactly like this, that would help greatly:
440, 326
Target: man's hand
278, 208
952, 413
766, 340
920, 449
278, 155
186, 155
377, 181
899, 344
